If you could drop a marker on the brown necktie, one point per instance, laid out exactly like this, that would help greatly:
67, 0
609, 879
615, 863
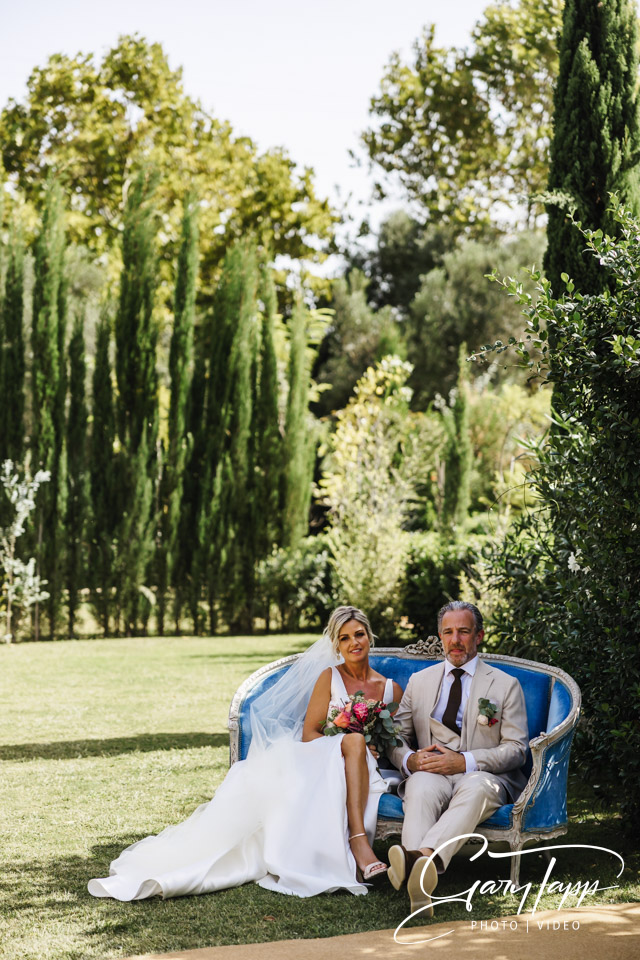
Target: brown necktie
453, 705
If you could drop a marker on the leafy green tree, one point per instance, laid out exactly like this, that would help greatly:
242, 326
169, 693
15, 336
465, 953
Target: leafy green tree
104, 492
357, 337
97, 122
404, 250
136, 335
458, 453
569, 568
12, 355
180, 370
596, 132
48, 383
466, 131
77, 476
456, 303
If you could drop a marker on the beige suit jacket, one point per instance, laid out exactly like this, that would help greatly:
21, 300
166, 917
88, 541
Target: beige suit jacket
499, 749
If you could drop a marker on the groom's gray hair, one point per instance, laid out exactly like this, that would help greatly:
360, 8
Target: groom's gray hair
461, 605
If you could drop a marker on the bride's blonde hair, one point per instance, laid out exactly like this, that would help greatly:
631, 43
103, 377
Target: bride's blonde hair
337, 620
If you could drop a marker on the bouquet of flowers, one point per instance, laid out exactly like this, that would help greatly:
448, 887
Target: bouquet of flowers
372, 718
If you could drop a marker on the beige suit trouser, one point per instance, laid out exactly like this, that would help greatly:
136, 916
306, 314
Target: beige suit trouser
439, 808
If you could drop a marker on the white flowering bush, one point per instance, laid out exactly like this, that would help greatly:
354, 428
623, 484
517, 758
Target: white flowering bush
20, 586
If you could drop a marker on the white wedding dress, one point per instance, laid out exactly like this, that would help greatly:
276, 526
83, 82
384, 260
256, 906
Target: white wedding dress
279, 819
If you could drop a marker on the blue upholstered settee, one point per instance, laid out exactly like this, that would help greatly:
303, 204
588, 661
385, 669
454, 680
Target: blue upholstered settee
553, 707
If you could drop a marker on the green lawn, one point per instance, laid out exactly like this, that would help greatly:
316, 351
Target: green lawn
103, 742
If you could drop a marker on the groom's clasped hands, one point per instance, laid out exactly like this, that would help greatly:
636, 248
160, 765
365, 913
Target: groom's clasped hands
436, 759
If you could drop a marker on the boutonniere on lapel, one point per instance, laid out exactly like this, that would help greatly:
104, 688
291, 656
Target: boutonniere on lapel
487, 710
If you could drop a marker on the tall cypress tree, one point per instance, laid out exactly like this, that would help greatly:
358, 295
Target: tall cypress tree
224, 526
596, 135
458, 451
103, 479
299, 442
56, 544
187, 574
267, 449
77, 492
266, 429
180, 370
13, 358
239, 537
137, 409
48, 380
45, 373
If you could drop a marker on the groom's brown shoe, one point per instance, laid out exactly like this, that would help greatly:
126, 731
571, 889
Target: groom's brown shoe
421, 887
401, 863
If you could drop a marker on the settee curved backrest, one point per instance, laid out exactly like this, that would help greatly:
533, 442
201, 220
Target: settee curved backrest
547, 691
536, 685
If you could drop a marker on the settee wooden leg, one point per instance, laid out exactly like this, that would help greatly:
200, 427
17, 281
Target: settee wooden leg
515, 863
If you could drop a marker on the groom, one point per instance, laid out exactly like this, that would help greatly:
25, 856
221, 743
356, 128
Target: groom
463, 726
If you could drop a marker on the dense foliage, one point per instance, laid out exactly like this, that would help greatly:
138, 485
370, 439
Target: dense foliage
158, 499
358, 336
184, 477
366, 489
569, 569
455, 304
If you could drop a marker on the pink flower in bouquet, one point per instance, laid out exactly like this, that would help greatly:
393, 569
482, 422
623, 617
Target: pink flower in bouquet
342, 720
361, 711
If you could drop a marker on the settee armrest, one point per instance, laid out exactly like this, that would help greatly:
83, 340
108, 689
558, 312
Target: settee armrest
542, 805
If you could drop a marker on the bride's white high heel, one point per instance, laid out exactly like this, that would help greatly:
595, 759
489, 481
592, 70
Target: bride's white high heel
372, 870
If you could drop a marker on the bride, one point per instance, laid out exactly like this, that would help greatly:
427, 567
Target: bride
299, 814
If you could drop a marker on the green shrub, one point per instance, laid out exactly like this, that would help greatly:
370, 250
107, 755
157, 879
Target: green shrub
432, 578
298, 582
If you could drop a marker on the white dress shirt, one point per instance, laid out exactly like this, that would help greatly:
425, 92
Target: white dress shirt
466, 680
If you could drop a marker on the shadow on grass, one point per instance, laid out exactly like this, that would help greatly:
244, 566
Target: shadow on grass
50, 897
229, 656
142, 743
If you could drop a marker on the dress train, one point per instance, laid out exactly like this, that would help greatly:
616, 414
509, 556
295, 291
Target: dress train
279, 818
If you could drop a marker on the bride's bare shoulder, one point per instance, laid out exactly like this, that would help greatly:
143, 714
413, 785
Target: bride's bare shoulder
324, 680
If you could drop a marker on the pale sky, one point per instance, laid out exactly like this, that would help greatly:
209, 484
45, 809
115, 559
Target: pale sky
284, 72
